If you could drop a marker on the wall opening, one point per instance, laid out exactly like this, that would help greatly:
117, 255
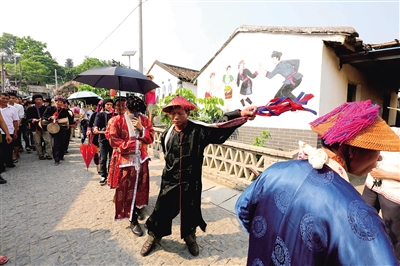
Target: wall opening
351, 92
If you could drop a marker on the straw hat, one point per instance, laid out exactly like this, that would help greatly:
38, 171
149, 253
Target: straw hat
357, 124
150, 76
178, 101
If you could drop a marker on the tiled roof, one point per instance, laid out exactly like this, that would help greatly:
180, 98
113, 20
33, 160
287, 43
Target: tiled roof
182, 73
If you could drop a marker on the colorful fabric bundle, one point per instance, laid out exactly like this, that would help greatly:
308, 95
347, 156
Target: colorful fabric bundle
278, 106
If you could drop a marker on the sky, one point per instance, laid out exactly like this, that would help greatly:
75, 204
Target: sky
182, 33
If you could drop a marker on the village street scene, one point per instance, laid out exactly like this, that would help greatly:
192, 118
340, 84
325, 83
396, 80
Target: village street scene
199, 133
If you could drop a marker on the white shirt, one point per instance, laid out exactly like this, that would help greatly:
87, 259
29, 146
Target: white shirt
390, 189
10, 114
20, 109
87, 114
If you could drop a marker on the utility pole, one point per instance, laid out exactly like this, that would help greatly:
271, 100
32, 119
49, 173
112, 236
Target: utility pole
140, 38
55, 74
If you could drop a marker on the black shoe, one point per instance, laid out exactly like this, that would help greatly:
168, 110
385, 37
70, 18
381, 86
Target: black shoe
66, 152
2, 181
146, 248
10, 165
136, 229
103, 181
193, 249
140, 214
28, 150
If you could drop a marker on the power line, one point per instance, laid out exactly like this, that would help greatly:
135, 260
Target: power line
115, 28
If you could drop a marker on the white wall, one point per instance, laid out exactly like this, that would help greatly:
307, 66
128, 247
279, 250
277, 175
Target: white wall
256, 49
161, 75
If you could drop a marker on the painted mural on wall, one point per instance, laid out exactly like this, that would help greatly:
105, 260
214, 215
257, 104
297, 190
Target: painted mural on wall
244, 82
249, 83
289, 70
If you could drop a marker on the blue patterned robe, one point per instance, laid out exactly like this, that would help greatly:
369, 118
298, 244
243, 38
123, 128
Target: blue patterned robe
297, 215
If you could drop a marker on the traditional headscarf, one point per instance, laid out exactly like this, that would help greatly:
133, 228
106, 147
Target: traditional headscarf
60, 98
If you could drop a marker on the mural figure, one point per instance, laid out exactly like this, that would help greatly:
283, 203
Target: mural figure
169, 88
228, 82
179, 84
210, 86
164, 90
289, 70
246, 88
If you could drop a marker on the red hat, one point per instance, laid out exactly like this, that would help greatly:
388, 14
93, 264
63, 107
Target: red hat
179, 101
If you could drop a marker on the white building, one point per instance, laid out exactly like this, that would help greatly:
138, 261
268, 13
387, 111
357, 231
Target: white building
333, 65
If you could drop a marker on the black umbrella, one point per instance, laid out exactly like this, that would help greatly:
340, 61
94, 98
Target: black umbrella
119, 78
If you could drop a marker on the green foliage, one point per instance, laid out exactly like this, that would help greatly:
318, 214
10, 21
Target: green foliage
207, 111
37, 65
211, 111
103, 93
185, 93
259, 141
89, 63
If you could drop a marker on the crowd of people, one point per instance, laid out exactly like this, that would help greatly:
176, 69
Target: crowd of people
302, 211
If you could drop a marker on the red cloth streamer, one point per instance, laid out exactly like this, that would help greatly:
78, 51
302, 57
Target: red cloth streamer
278, 106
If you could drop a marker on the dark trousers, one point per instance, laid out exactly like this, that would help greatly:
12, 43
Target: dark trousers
286, 90
59, 145
26, 135
83, 130
7, 152
105, 155
67, 136
390, 215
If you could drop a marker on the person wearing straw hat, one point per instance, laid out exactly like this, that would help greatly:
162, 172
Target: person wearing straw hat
183, 145
306, 212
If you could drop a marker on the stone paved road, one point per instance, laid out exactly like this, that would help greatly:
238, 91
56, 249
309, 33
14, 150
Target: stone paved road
60, 215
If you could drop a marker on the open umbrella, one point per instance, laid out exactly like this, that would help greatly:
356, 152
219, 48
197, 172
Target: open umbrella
88, 150
83, 95
119, 78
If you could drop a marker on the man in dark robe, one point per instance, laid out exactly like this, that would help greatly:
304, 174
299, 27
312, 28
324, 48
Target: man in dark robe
183, 146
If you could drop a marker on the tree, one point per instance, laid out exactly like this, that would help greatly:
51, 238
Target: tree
69, 69
7, 43
89, 63
69, 63
103, 93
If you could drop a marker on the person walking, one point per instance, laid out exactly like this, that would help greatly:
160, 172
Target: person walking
382, 191
11, 118
85, 114
53, 114
34, 115
306, 212
129, 135
7, 139
100, 124
183, 146
150, 101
